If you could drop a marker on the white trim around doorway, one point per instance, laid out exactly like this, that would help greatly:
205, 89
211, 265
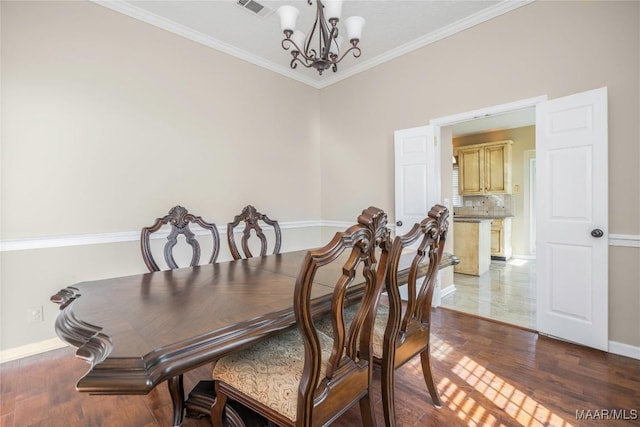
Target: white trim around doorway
488, 111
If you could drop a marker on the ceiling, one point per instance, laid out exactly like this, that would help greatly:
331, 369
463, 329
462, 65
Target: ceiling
393, 28
496, 122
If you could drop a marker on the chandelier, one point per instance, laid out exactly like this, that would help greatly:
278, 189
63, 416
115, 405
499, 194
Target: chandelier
321, 48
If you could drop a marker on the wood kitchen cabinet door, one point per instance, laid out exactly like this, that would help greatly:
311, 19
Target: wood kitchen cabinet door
498, 169
471, 171
496, 238
501, 239
485, 169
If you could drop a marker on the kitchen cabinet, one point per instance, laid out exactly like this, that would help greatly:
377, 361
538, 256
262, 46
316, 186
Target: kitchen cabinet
501, 239
485, 168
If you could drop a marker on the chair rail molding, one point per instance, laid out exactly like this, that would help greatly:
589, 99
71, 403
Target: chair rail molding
46, 242
627, 240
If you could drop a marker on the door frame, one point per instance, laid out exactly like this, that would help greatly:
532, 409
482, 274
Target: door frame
488, 111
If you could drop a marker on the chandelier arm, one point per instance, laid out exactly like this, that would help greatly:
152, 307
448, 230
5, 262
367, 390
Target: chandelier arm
356, 54
297, 53
296, 60
286, 44
307, 43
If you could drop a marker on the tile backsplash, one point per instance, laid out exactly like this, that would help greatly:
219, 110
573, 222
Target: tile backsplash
494, 205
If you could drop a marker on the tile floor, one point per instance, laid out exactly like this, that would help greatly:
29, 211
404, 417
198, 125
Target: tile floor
507, 293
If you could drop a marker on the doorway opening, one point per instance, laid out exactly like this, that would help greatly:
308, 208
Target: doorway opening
507, 291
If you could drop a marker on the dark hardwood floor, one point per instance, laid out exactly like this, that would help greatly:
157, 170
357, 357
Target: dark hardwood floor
488, 374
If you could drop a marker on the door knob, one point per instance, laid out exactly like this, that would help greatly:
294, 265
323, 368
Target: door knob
399, 223
597, 233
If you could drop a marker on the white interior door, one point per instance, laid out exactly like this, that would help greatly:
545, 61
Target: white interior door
417, 174
417, 179
572, 218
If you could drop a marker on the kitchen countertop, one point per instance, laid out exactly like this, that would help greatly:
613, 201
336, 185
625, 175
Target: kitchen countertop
472, 217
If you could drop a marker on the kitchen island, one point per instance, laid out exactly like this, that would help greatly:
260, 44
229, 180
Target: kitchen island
472, 243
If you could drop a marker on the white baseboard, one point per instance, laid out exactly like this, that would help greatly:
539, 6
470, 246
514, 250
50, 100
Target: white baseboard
448, 290
622, 349
31, 349
525, 257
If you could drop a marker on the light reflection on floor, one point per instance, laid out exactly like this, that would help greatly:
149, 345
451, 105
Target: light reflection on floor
521, 409
507, 293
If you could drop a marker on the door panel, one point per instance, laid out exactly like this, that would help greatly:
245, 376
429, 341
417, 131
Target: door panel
572, 189
417, 181
572, 199
417, 174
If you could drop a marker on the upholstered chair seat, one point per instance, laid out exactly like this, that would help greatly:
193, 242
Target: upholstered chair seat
270, 371
377, 340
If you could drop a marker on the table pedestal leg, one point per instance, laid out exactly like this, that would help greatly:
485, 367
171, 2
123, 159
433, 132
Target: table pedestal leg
176, 390
203, 397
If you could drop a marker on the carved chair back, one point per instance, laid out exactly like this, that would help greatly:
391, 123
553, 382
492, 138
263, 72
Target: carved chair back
407, 331
179, 219
431, 232
251, 219
351, 351
336, 371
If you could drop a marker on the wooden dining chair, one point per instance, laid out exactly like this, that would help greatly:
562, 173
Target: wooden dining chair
402, 328
251, 219
303, 377
179, 219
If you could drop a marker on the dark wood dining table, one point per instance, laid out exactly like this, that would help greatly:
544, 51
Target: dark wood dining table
138, 331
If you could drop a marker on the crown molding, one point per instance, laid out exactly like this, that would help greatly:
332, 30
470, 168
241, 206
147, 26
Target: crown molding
475, 19
198, 37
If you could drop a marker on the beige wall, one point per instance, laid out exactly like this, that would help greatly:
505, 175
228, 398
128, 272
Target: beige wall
107, 122
524, 139
544, 48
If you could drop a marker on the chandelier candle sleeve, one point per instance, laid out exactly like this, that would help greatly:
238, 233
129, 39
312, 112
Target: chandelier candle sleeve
321, 48
288, 17
354, 27
333, 9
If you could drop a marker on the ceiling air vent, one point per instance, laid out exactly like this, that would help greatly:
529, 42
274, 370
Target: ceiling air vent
255, 8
